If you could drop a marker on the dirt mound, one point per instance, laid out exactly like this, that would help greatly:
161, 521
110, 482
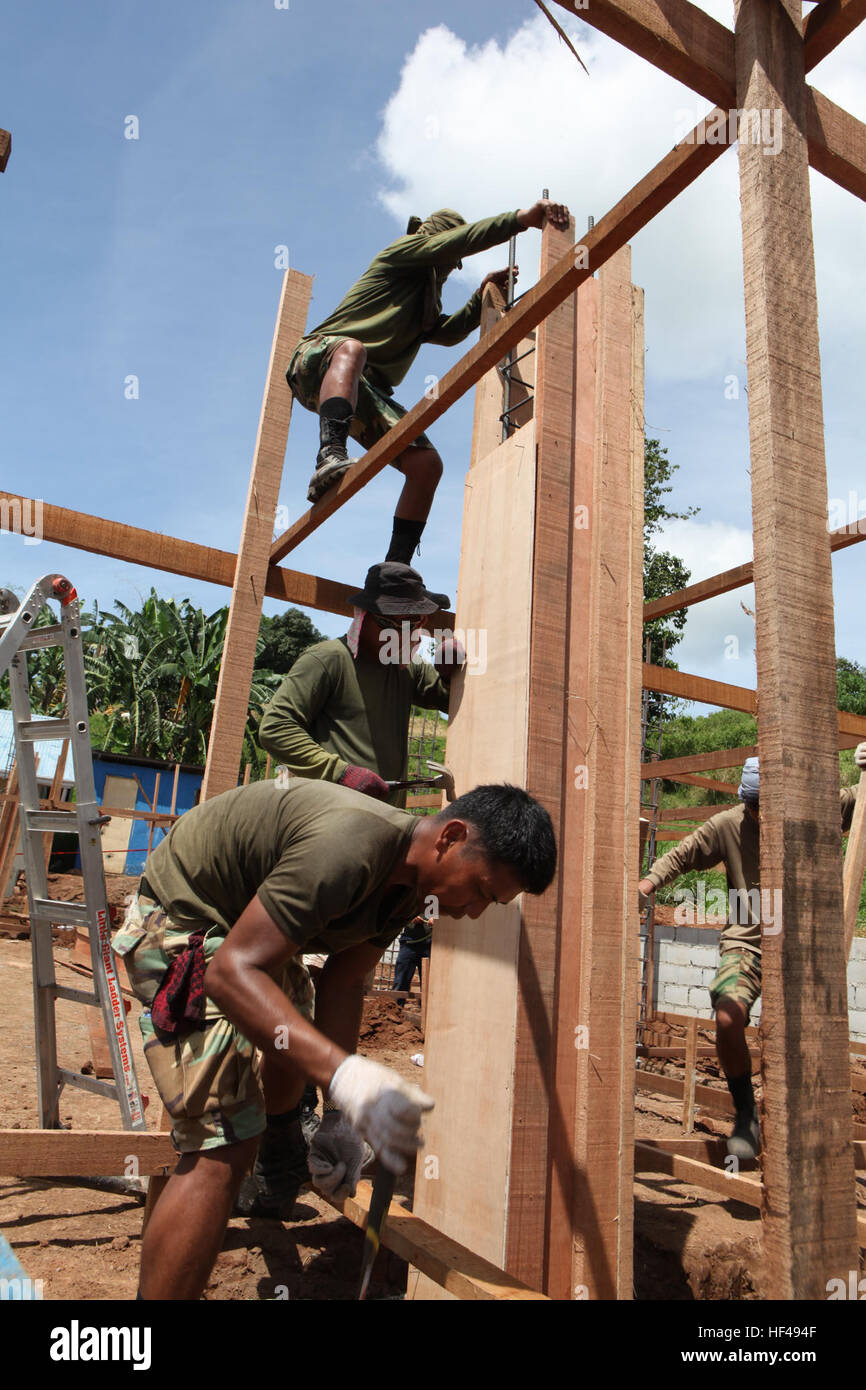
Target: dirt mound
384, 1025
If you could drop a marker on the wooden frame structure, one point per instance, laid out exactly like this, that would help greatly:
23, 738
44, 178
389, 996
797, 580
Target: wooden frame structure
568, 967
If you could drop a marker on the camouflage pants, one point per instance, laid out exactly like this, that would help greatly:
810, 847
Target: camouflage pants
208, 1079
738, 977
376, 412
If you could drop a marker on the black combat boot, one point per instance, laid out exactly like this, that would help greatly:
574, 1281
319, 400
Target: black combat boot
332, 460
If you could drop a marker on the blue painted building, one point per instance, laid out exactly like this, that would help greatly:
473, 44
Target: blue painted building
127, 783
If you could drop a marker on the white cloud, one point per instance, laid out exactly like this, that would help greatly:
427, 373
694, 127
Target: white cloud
719, 637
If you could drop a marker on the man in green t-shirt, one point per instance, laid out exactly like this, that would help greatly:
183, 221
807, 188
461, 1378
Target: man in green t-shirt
240, 886
347, 367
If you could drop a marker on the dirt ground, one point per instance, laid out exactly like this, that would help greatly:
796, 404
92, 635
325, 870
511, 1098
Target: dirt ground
84, 1243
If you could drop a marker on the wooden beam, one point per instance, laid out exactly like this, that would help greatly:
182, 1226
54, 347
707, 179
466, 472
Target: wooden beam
698, 762
445, 1261
827, 25
808, 1213
709, 784
738, 577
685, 686
685, 42
80, 531
707, 1097
696, 813
225, 739
5, 149
30, 1153
669, 177
649, 1158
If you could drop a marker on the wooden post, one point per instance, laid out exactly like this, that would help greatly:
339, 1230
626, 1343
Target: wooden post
602, 1218
691, 1069
808, 1210
225, 743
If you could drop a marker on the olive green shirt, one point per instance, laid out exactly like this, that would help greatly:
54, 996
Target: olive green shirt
317, 856
731, 838
386, 309
333, 709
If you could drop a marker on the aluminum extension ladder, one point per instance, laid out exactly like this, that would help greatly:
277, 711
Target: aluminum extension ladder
19, 635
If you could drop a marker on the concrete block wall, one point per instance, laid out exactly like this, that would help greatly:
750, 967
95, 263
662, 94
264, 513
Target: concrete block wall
686, 959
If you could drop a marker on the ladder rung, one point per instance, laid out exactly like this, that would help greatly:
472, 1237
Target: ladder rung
52, 820
64, 914
41, 637
35, 730
87, 1083
77, 996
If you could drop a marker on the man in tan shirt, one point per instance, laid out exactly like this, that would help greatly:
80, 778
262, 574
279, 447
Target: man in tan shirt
732, 838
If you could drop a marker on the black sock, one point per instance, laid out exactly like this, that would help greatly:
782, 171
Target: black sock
283, 1121
404, 538
336, 408
740, 1088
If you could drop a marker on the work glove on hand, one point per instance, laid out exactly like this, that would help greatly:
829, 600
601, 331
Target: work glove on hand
361, 779
448, 656
382, 1107
860, 756
336, 1155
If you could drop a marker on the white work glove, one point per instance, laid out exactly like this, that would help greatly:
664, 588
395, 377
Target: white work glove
860, 756
336, 1155
382, 1107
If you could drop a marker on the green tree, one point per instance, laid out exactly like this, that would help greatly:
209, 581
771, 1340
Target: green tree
663, 572
283, 638
850, 686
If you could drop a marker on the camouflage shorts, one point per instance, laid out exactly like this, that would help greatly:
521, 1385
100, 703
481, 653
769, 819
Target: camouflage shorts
376, 412
208, 1079
738, 977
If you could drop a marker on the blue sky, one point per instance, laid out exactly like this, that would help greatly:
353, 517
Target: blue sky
311, 127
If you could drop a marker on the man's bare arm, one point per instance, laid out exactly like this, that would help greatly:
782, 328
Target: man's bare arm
238, 980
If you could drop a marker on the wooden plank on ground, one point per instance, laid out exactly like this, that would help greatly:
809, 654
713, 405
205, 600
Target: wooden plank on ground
31, 1153
716, 1101
808, 1214
225, 740
446, 1262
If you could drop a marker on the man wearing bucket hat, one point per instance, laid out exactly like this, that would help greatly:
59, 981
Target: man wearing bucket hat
342, 715
732, 838
346, 368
